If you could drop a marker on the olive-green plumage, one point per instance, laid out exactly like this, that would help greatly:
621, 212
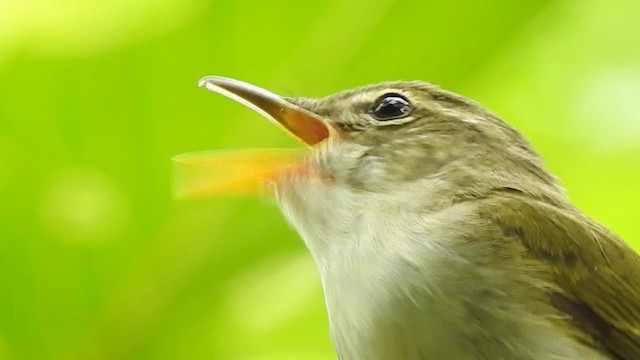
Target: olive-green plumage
595, 274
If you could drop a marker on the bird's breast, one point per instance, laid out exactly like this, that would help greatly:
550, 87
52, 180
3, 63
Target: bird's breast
400, 283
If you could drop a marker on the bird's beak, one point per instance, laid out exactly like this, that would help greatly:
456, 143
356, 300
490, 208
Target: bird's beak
301, 123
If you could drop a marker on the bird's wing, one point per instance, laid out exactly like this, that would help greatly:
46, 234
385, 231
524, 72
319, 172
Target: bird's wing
598, 274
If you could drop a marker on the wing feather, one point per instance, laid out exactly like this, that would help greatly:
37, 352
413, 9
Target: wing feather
597, 272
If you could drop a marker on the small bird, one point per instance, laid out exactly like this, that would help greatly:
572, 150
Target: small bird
438, 232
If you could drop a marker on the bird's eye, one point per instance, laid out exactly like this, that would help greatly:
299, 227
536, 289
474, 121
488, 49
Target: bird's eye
390, 106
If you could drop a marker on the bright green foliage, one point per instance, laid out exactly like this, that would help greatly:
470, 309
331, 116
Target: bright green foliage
98, 262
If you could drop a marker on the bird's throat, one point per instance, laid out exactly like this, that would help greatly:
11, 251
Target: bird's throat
397, 287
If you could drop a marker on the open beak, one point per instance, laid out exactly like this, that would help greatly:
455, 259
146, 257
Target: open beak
301, 123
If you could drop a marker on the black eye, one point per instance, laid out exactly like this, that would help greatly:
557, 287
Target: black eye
391, 106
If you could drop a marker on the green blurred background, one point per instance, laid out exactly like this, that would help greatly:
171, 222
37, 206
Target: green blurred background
98, 262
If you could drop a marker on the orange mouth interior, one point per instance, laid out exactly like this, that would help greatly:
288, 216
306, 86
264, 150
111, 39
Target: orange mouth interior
231, 173
223, 173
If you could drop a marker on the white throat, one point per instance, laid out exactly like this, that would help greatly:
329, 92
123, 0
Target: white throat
397, 286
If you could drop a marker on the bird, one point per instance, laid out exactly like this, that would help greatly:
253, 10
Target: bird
438, 232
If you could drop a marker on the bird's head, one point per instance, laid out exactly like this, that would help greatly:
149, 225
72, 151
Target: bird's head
395, 135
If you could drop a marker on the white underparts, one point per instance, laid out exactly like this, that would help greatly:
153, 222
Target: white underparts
398, 286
